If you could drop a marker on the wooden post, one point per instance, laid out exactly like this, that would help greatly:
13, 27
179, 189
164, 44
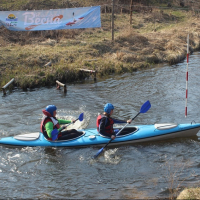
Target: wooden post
90, 71
58, 84
4, 91
48, 64
131, 12
95, 76
113, 20
5, 86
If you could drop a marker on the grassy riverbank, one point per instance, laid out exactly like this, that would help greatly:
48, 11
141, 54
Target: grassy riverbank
155, 36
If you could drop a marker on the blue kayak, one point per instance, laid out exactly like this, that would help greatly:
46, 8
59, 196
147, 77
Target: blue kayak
90, 137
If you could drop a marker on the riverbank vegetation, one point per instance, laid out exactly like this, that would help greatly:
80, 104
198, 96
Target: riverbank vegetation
158, 34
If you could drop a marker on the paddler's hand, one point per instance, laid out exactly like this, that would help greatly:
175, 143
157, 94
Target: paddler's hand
129, 121
73, 121
113, 137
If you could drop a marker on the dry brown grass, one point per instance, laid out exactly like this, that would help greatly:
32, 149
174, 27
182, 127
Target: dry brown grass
155, 37
191, 193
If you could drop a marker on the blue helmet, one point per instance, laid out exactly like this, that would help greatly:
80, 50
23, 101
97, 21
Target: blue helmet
108, 107
51, 109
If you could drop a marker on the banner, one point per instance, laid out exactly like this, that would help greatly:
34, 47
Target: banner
37, 20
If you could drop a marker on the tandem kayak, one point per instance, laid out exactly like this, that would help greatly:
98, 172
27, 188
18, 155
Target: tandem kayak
90, 137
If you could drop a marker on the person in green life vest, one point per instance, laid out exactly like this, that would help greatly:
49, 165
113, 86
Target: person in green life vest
50, 124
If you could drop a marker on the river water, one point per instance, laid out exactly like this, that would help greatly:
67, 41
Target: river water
150, 170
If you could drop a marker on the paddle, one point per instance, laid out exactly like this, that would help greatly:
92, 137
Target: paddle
145, 107
55, 132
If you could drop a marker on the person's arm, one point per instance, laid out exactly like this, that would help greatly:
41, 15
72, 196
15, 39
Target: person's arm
118, 121
49, 128
63, 121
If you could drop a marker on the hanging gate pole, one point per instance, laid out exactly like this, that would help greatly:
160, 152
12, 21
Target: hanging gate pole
187, 76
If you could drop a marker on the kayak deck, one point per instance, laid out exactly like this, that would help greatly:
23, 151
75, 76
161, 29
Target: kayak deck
90, 137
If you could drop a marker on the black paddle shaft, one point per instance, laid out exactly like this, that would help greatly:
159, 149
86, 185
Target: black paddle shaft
145, 107
119, 131
135, 116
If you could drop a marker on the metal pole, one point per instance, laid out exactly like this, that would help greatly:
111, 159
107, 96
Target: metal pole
187, 76
112, 20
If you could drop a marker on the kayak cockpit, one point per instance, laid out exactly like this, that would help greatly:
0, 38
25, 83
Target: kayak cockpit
74, 138
125, 132
35, 136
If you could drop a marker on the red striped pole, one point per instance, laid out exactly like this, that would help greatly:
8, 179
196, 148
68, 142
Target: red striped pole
187, 76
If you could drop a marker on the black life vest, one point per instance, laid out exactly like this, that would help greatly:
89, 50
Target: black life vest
108, 125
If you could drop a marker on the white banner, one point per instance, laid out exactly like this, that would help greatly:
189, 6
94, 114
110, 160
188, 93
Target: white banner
37, 20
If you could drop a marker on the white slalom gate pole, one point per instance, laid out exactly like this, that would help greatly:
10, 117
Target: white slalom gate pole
187, 76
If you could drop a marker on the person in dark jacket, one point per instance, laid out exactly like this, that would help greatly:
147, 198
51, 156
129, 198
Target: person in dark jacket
105, 123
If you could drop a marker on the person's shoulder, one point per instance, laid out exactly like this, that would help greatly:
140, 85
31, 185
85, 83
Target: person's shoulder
103, 117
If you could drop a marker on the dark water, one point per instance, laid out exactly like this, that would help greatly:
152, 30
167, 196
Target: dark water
151, 170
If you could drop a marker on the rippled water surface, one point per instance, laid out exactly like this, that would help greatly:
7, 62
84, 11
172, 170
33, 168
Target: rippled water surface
150, 170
